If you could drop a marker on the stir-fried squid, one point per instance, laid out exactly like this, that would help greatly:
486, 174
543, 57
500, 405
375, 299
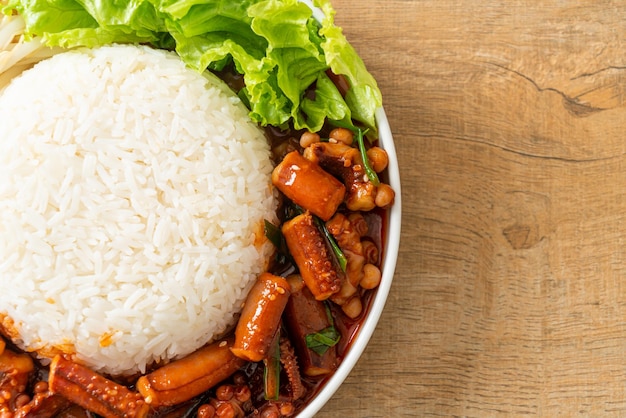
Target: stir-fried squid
298, 320
295, 326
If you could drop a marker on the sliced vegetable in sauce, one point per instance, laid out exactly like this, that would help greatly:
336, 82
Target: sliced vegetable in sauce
271, 375
339, 255
272, 232
371, 174
321, 341
359, 136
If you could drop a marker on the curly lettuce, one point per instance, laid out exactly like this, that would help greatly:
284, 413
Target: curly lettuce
284, 53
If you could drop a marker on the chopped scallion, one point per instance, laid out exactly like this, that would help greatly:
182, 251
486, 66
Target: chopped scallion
320, 342
271, 374
274, 234
339, 255
371, 174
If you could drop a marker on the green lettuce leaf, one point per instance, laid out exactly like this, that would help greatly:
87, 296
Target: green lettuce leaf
72, 23
363, 97
278, 46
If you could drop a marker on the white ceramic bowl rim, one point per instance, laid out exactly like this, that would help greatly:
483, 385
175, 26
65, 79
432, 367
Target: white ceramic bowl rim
390, 257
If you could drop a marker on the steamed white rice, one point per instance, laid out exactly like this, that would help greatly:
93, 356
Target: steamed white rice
132, 196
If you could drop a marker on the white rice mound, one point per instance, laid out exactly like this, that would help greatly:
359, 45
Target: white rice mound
132, 197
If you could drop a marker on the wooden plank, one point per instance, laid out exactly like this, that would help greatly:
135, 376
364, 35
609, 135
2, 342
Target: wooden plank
509, 296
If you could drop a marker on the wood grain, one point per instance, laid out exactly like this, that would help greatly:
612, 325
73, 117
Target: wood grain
510, 293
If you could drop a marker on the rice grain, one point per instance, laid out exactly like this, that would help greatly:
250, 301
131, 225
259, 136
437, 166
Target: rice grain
131, 189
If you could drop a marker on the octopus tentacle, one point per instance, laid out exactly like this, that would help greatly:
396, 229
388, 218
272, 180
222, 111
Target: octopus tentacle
290, 363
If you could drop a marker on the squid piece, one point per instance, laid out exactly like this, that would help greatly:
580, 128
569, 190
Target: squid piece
360, 255
370, 252
348, 238
292, 370
308, 185
13, 364
183, 379
345, 162
44, 405
14, 374
260, 317
304, 315
353, 275
359, 223
73, 411
308, 250
94, 392
346, 233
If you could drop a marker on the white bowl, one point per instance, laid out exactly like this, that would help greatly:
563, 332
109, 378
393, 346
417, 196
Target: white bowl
390, 256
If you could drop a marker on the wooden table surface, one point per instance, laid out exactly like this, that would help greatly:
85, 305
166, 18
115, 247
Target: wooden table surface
510, 293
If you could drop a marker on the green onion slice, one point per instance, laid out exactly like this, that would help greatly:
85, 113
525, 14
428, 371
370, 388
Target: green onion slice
271, 374
321, 341
341, 257
360, 139
275, 235
371, 174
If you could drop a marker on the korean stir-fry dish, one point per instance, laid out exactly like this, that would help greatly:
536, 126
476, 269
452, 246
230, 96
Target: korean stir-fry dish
193, 202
